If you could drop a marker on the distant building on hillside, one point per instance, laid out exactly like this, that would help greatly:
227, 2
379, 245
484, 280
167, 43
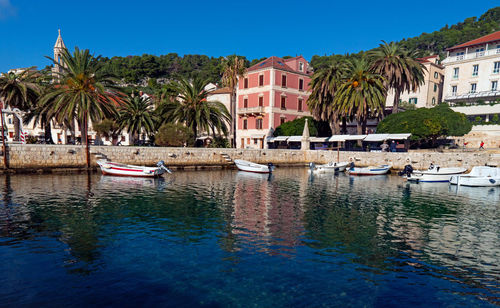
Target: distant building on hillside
272, 92
430, 93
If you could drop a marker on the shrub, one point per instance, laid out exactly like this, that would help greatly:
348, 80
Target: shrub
173, 134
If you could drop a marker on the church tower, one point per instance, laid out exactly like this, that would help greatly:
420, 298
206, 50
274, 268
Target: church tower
58, 51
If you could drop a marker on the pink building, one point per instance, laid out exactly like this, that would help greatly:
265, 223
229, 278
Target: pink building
271, 93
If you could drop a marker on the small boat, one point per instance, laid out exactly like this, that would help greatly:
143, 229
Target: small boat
480, 176
117, 169
248, 166
330, 167
371, 170
434, 174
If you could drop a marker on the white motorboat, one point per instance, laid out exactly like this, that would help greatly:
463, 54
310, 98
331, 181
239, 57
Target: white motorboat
479, 176
117, 169
434, 174
330, 167
371, 170
248, 166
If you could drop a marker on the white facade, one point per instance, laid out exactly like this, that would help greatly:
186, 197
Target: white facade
472, 71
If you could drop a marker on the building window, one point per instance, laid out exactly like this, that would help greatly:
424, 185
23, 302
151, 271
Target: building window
245, 103
475, 69
261, 80
494, 85
412, 100
283, 102
255, 141
301, 84
473, 87
301, 66
436, 75
248, 140
245, 124
122, 138
261, 101
258, 123
299, 107
11, 134
245, 83
283, 81
282, 120
433, 101
496, 67
455, 72
10, 120
498, 48
454, 90
435, 87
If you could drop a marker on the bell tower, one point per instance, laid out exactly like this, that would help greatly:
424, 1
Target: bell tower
59, 48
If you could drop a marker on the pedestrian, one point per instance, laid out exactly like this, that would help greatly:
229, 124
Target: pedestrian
384, 146
481, 146
393, 146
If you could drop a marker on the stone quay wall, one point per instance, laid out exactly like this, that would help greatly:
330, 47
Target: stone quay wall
53, 157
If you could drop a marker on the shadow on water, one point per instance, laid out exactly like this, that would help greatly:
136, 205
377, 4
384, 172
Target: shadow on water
230, 237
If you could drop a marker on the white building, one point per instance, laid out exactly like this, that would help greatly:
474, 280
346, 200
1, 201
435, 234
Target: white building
472, 71
430, 93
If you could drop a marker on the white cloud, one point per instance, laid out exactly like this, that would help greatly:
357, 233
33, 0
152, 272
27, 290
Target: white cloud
6, 9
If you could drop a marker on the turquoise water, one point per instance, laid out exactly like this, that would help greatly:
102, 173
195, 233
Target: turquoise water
232, 239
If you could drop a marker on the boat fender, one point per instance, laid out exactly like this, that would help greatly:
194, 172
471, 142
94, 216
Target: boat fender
312, 166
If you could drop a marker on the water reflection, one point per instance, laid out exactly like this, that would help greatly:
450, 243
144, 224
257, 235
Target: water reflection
371, 230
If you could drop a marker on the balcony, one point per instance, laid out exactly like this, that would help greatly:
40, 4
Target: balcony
472, 55
251, 110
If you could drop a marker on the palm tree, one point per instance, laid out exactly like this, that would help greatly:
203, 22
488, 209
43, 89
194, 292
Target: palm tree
194, 110
81, 91
399, 67
361, 93
17, 90
234, 68
324, 84
136, 115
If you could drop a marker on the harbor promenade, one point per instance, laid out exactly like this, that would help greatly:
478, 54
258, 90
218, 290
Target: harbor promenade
53, 158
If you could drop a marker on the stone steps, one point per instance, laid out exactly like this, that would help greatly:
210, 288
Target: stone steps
227, 158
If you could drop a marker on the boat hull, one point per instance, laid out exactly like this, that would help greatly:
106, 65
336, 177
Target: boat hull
380, 170
442, 176
116, 169
330, 167
475, 181
247, 166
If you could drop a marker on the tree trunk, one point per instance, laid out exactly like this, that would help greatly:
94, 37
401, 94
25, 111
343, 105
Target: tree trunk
233, 118
334, 126
48, 133
395, 104
344, 125
363, 126
86, 138
359, 129
5, 160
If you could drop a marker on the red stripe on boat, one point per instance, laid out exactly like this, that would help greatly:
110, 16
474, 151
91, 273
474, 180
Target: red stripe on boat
123, 169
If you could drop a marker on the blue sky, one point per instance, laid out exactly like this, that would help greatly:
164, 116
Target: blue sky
255, 29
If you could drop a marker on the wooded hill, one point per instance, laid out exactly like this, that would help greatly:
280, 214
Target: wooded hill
133, 69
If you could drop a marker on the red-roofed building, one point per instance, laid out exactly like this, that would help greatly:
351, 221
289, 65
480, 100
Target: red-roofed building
472, 70
272, 92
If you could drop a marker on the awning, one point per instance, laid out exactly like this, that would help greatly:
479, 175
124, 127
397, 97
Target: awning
376, 137
399, 136
295, 139
281, 138
318, 139
355, 137
337, 138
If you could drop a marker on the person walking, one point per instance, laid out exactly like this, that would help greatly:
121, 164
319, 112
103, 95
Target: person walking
481, 145
384, 147
393, 146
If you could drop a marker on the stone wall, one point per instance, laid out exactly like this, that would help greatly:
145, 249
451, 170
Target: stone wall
45, 157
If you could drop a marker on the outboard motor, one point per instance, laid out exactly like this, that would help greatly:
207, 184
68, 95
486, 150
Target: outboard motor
270, 166
351, 166
161, 164
408, 170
